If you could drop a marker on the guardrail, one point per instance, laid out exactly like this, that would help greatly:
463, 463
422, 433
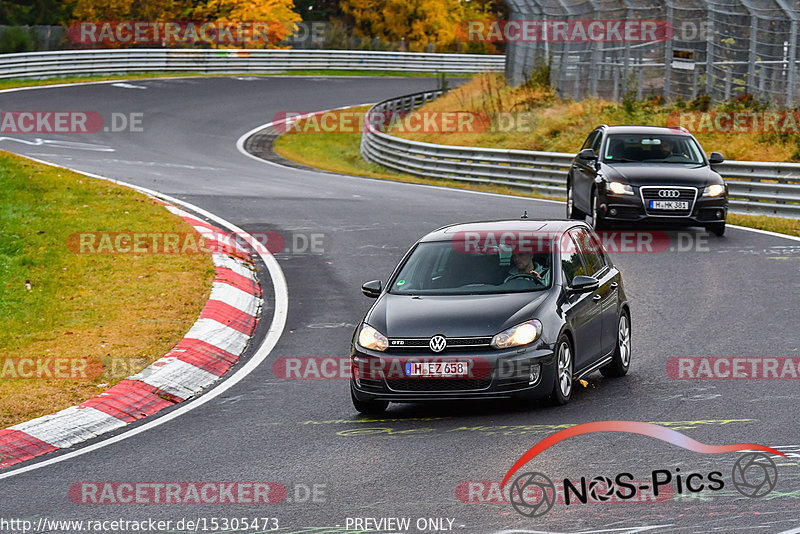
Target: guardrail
207, 61
755, 188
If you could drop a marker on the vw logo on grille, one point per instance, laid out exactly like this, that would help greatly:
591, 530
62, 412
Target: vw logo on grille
669, 193
437, 343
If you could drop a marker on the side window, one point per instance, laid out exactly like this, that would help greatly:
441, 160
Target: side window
591, 251
596, 143
591, 140
571, 261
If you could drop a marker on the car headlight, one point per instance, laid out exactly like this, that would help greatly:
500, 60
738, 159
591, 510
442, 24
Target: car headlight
522, 334
369, 338
618, 188
713, 190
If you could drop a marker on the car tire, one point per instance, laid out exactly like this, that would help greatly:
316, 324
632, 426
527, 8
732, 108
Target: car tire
598, 223
369, 407
621, 361
563, 367
718, 229
573, 212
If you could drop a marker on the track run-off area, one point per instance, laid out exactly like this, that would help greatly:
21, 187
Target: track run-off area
436, 465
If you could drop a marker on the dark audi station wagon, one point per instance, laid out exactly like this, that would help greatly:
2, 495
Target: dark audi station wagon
634, 174
500, 309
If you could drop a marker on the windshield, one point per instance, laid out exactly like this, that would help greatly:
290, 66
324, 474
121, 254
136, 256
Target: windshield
653, 149
445, 268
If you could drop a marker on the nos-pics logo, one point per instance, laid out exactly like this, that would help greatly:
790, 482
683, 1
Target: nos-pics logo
533, 494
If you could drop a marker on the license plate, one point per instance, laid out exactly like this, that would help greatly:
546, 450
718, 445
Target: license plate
437, 369
669, 205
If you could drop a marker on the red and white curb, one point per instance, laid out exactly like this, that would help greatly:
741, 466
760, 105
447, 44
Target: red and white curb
207, 351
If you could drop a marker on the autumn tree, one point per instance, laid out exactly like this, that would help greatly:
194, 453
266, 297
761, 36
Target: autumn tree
419, 23
278, 15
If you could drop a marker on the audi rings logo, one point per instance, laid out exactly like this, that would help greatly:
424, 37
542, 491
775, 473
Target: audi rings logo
669, 193
532, 494
437, 343
755, 474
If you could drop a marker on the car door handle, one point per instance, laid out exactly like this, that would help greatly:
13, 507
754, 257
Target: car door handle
614, 285
597, 297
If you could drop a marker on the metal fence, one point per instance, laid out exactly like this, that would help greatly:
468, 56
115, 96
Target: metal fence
87, 62
756, 188
721, 48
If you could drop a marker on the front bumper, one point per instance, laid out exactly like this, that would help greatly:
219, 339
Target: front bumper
631, 209
495, 374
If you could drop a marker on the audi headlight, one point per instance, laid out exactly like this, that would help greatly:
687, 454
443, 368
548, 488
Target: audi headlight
522, 334
618, 188
713, 190
369, 338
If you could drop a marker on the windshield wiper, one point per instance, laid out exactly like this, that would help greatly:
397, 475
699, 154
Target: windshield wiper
620, 160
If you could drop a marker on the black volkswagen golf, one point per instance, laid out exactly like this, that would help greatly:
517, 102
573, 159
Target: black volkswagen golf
500, 309
628, 174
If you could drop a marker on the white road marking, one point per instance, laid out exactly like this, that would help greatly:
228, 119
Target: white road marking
124, 85
57, 143
281, 303
765, 232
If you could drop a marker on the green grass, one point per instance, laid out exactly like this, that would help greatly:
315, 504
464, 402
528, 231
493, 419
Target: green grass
340, 152
123, 310
772, 224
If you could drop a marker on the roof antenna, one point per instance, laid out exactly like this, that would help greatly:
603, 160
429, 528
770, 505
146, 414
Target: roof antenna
524, 215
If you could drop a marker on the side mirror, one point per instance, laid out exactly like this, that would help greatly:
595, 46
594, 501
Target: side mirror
715, 158
372, 289
587, 154
584, 284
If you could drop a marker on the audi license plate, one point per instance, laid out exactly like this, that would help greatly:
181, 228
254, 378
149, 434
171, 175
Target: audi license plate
437, 369
669, 205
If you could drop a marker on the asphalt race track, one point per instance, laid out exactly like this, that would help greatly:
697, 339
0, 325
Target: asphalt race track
735, 296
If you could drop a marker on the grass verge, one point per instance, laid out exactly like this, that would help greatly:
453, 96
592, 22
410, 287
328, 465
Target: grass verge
340, 152
114, 312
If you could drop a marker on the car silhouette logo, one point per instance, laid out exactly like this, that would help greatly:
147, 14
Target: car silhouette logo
437, 343
669, 193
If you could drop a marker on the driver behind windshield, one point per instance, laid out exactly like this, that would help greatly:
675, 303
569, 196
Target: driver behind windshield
668, 150
525, 264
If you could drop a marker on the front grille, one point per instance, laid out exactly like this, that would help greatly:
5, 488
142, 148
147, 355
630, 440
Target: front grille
370, 383
687, 194
439, 384
460, 343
